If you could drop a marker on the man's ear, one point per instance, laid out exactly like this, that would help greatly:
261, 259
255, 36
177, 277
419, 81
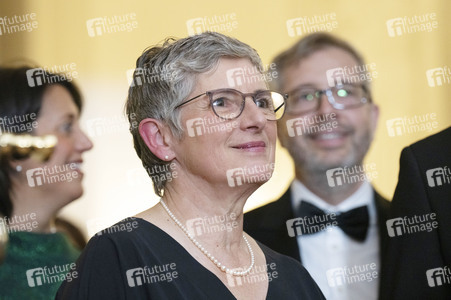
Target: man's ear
157, 137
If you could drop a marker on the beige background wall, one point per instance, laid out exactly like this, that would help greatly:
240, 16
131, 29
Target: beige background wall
115, 184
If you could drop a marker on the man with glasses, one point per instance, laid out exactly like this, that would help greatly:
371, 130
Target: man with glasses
331, 219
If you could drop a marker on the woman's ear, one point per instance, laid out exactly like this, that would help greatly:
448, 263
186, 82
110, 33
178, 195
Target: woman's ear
157, 137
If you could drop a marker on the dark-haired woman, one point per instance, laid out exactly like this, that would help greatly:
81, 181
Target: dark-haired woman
33, 191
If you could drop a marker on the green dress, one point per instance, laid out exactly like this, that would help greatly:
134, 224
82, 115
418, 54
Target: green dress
35, 265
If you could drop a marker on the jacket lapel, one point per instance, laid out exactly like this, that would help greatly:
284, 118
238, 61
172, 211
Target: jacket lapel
382, 210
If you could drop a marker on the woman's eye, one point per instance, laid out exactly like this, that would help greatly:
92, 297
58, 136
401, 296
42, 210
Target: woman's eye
220, 102
67, 127
263, 103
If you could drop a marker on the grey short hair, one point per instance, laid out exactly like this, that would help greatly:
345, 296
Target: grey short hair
307, 46
170, 75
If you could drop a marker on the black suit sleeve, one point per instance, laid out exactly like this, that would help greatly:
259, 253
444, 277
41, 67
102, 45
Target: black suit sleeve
409, 255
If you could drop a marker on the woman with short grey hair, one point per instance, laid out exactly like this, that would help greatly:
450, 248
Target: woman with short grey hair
207, 138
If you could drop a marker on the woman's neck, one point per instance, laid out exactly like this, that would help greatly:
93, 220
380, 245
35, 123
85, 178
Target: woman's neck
33, 213
214, 218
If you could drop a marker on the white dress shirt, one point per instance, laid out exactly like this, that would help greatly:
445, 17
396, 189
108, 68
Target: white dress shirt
358, 275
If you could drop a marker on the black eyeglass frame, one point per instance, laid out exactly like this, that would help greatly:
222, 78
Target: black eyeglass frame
244, 95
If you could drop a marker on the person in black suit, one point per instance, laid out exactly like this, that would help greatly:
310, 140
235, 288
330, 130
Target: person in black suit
418, 257
331, 219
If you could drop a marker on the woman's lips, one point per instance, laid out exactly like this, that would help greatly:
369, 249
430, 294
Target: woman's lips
251, 146
76, 166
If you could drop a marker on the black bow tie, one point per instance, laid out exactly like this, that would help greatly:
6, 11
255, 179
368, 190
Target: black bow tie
354, 222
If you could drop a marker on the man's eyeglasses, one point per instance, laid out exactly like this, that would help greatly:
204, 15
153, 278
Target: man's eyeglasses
228, 104
306, 99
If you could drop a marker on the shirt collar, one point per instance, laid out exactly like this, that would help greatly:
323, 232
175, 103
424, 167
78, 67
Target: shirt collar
363, 196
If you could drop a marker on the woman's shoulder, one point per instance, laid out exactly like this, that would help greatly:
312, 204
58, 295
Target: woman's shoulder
128, 232
127, 245
122, 228
118, 240
132, 240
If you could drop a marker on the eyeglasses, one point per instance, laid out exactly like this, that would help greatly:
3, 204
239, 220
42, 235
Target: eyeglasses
228, 104
306, 99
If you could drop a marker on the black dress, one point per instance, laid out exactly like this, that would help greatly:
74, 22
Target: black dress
146, 263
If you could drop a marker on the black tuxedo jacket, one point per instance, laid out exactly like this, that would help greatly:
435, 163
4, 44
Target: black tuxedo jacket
267, 224
409, 256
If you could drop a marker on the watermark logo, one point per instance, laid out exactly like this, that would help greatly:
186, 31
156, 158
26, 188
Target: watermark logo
219, 23
310, 225
354, 74
438, 276
49, 75
257, 274
349, 275
111, 125
18, 123
406, 25
99, 226
206, 225
438, 176
348, 175
21, 23
49, 175
51, 275
141, 76
438, 76
306, 25
208, 125
154, 274
18, 223
166, 172
409, 225
409, 125
311, 124
258, 173
239, 76
108, 25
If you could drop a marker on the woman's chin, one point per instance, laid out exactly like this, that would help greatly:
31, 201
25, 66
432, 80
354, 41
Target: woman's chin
251, 174
72, 192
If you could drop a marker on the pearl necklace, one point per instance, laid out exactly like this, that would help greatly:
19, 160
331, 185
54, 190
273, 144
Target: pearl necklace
204, 251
